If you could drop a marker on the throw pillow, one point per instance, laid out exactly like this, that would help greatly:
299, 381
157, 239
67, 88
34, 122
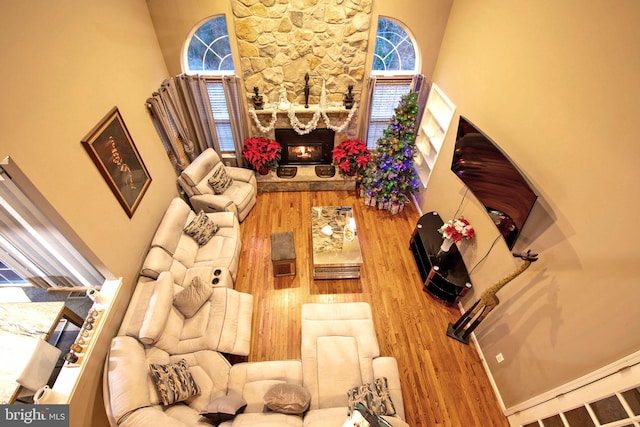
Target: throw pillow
220, 181
190, 299
173, 381
286, 398
224, 408
374, 395
201, 228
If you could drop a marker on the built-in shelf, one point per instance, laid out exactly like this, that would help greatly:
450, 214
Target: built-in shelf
435, 123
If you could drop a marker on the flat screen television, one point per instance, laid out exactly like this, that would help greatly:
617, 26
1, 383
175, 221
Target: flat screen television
493, 179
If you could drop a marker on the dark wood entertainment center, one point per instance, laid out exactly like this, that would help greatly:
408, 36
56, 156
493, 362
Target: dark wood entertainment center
448, 281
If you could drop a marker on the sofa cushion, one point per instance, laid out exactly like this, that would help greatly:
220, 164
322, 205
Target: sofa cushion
157, 309
287, 399
338, 369
192, 298
174, 381
373, 395
201, 228
219, 181
224, 408
266, 419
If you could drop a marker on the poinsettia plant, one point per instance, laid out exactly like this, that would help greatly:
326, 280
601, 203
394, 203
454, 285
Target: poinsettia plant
457, 229
262, 152
351, 156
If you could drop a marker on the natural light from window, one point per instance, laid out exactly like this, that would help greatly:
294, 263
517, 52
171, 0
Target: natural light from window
209, 50
208, 53
395, 62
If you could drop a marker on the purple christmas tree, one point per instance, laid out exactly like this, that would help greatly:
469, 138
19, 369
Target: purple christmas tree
390, 176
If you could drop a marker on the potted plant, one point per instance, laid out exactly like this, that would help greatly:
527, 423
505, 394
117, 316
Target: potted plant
351, 156
262, 153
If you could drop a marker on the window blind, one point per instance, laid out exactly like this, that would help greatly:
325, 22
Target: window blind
35, 248
385, 100
220, 111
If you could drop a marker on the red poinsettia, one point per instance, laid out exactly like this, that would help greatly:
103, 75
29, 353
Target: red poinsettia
262, 153
351, 156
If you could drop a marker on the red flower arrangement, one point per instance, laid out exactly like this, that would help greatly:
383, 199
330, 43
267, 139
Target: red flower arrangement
351, 156
456, 229
262, 153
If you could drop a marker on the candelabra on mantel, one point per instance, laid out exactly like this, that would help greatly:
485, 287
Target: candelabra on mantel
302, 128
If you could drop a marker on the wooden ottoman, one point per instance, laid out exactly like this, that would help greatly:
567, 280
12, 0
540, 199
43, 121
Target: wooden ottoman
283, 254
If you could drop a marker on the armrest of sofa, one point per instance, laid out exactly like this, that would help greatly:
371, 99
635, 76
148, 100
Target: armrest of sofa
388, 367
240, 174
213, 203
149, 308
224, 219
126, 375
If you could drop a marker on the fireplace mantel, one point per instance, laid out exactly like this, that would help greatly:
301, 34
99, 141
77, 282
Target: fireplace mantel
299, 109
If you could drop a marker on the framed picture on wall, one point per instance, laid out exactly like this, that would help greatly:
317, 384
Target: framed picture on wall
111, 148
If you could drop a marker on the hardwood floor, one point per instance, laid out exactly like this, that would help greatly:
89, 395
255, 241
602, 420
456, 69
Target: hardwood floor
444, 383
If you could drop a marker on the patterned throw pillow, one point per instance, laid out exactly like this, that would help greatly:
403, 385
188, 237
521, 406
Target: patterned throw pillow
374, 396
202, 228
220, 181
174, 382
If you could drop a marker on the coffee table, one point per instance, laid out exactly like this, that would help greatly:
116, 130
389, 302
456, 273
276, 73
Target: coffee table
335, 244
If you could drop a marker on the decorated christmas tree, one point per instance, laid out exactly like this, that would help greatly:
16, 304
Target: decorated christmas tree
390, 176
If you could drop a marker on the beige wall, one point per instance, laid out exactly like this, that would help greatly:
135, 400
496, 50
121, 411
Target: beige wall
426, 20
64, 66
175, 20
555, 85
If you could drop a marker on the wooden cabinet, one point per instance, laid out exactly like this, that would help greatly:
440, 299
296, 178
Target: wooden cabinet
448, 279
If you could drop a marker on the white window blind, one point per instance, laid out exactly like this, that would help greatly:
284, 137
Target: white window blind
35, 248
220, 112
385, 99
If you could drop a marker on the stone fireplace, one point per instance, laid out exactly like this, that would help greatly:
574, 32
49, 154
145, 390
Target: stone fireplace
280, 41
313, 148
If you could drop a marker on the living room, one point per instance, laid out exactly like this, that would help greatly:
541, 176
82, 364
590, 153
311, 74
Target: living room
551, 83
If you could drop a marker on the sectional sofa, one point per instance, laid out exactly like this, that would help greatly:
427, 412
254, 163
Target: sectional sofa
168, 368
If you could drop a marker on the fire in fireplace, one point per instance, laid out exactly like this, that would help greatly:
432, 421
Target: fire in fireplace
313, 148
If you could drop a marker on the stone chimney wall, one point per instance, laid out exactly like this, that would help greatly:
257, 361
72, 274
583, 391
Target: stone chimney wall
281, 40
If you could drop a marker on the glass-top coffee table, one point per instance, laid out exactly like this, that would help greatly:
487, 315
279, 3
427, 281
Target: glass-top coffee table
336, 248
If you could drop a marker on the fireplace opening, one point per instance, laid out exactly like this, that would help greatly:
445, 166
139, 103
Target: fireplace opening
313, 148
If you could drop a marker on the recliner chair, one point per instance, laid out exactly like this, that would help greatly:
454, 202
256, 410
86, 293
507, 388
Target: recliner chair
239, 197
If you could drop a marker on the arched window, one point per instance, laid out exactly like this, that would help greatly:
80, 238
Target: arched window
395, 50
209, 50
395, 63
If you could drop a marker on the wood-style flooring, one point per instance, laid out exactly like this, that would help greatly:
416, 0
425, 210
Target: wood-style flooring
443, 381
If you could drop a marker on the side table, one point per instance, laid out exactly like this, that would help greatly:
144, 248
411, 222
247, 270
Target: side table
449, 283
283, 254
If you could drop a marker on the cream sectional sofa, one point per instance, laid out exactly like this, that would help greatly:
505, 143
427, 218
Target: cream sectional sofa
339, 346
339, 351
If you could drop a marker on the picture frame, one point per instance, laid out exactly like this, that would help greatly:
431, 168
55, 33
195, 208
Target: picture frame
116, 157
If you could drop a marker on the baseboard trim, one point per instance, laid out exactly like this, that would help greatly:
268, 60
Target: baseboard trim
483, 359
